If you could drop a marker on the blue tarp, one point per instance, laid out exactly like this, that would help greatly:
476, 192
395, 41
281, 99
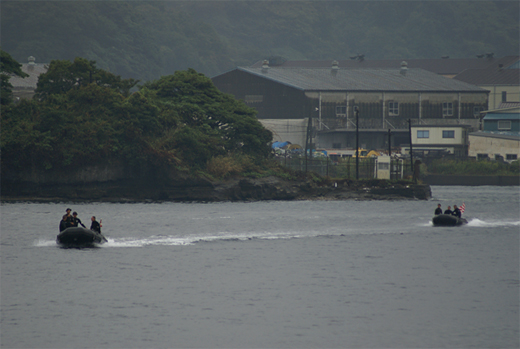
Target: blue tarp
280, 144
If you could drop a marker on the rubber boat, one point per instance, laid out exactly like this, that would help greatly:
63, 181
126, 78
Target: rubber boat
77, 236
447, 220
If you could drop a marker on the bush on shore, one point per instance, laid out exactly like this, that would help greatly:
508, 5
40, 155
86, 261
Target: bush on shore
473, 167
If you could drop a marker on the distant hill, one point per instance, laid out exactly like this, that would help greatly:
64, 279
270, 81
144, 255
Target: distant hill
146, 40
142, 40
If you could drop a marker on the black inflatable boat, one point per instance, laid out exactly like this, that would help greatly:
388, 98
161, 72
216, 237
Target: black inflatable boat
78, 237
447, 220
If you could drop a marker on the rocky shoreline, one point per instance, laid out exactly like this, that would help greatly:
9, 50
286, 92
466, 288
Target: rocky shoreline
203, 190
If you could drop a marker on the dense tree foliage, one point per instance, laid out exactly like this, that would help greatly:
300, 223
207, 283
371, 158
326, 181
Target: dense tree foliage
178, 121
149, 39
63, 76
207, 115
8, 68
473, 167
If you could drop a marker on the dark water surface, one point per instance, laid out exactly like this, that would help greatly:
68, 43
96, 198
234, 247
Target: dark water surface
306, 274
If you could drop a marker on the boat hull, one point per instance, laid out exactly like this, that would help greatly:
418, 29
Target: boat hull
446, 220
77, 236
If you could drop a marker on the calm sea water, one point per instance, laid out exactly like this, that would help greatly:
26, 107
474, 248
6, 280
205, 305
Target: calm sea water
306, 274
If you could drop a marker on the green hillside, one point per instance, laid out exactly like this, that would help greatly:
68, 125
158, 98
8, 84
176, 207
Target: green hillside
147, 40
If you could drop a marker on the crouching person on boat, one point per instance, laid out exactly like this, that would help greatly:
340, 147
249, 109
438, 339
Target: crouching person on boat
456, 211
448, 211
95, 226
64, 223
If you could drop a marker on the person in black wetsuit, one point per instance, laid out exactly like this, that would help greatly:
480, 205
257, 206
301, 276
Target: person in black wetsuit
76, 221
456, 211
64, 224
69, 217
448, 211
438, 210
95, 226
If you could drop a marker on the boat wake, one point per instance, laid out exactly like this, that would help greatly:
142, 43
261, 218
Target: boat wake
170, 240
45, 243
475, 222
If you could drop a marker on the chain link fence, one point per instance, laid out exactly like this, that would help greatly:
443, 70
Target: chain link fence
346, 167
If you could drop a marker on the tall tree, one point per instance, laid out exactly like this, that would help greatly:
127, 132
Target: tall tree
63, 76
231, 125
8, 68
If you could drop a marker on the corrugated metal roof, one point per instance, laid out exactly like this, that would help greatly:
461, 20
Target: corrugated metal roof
490, 76
34, 71
504, 105
321, 79
495, 134
502, 116
450, 66
514, 65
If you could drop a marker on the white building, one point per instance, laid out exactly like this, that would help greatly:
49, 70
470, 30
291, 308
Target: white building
451, 139
494, 145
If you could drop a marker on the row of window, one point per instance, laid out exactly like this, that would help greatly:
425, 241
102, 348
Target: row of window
393, 109
426, 134
502, 125
509, 157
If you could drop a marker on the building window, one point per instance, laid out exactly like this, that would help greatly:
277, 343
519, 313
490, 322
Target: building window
393, 108
336, 145
448, 134
341, 111
482, 156
423, 134
476, 111
511, 157
504, 125
447, 109
254, 98
504, 96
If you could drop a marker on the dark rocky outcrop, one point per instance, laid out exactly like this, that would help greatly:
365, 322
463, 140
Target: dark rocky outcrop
203, 190
115, 182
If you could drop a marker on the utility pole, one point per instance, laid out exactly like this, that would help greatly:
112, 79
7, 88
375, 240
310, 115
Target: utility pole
390, 150
308, 141
411, 150
389, 142
356, 110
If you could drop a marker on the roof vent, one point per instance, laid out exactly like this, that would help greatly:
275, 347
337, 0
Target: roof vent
404, 68
265, 66
335, 67
31, 60
359, 57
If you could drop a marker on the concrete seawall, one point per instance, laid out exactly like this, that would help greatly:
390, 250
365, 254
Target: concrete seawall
471, 180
